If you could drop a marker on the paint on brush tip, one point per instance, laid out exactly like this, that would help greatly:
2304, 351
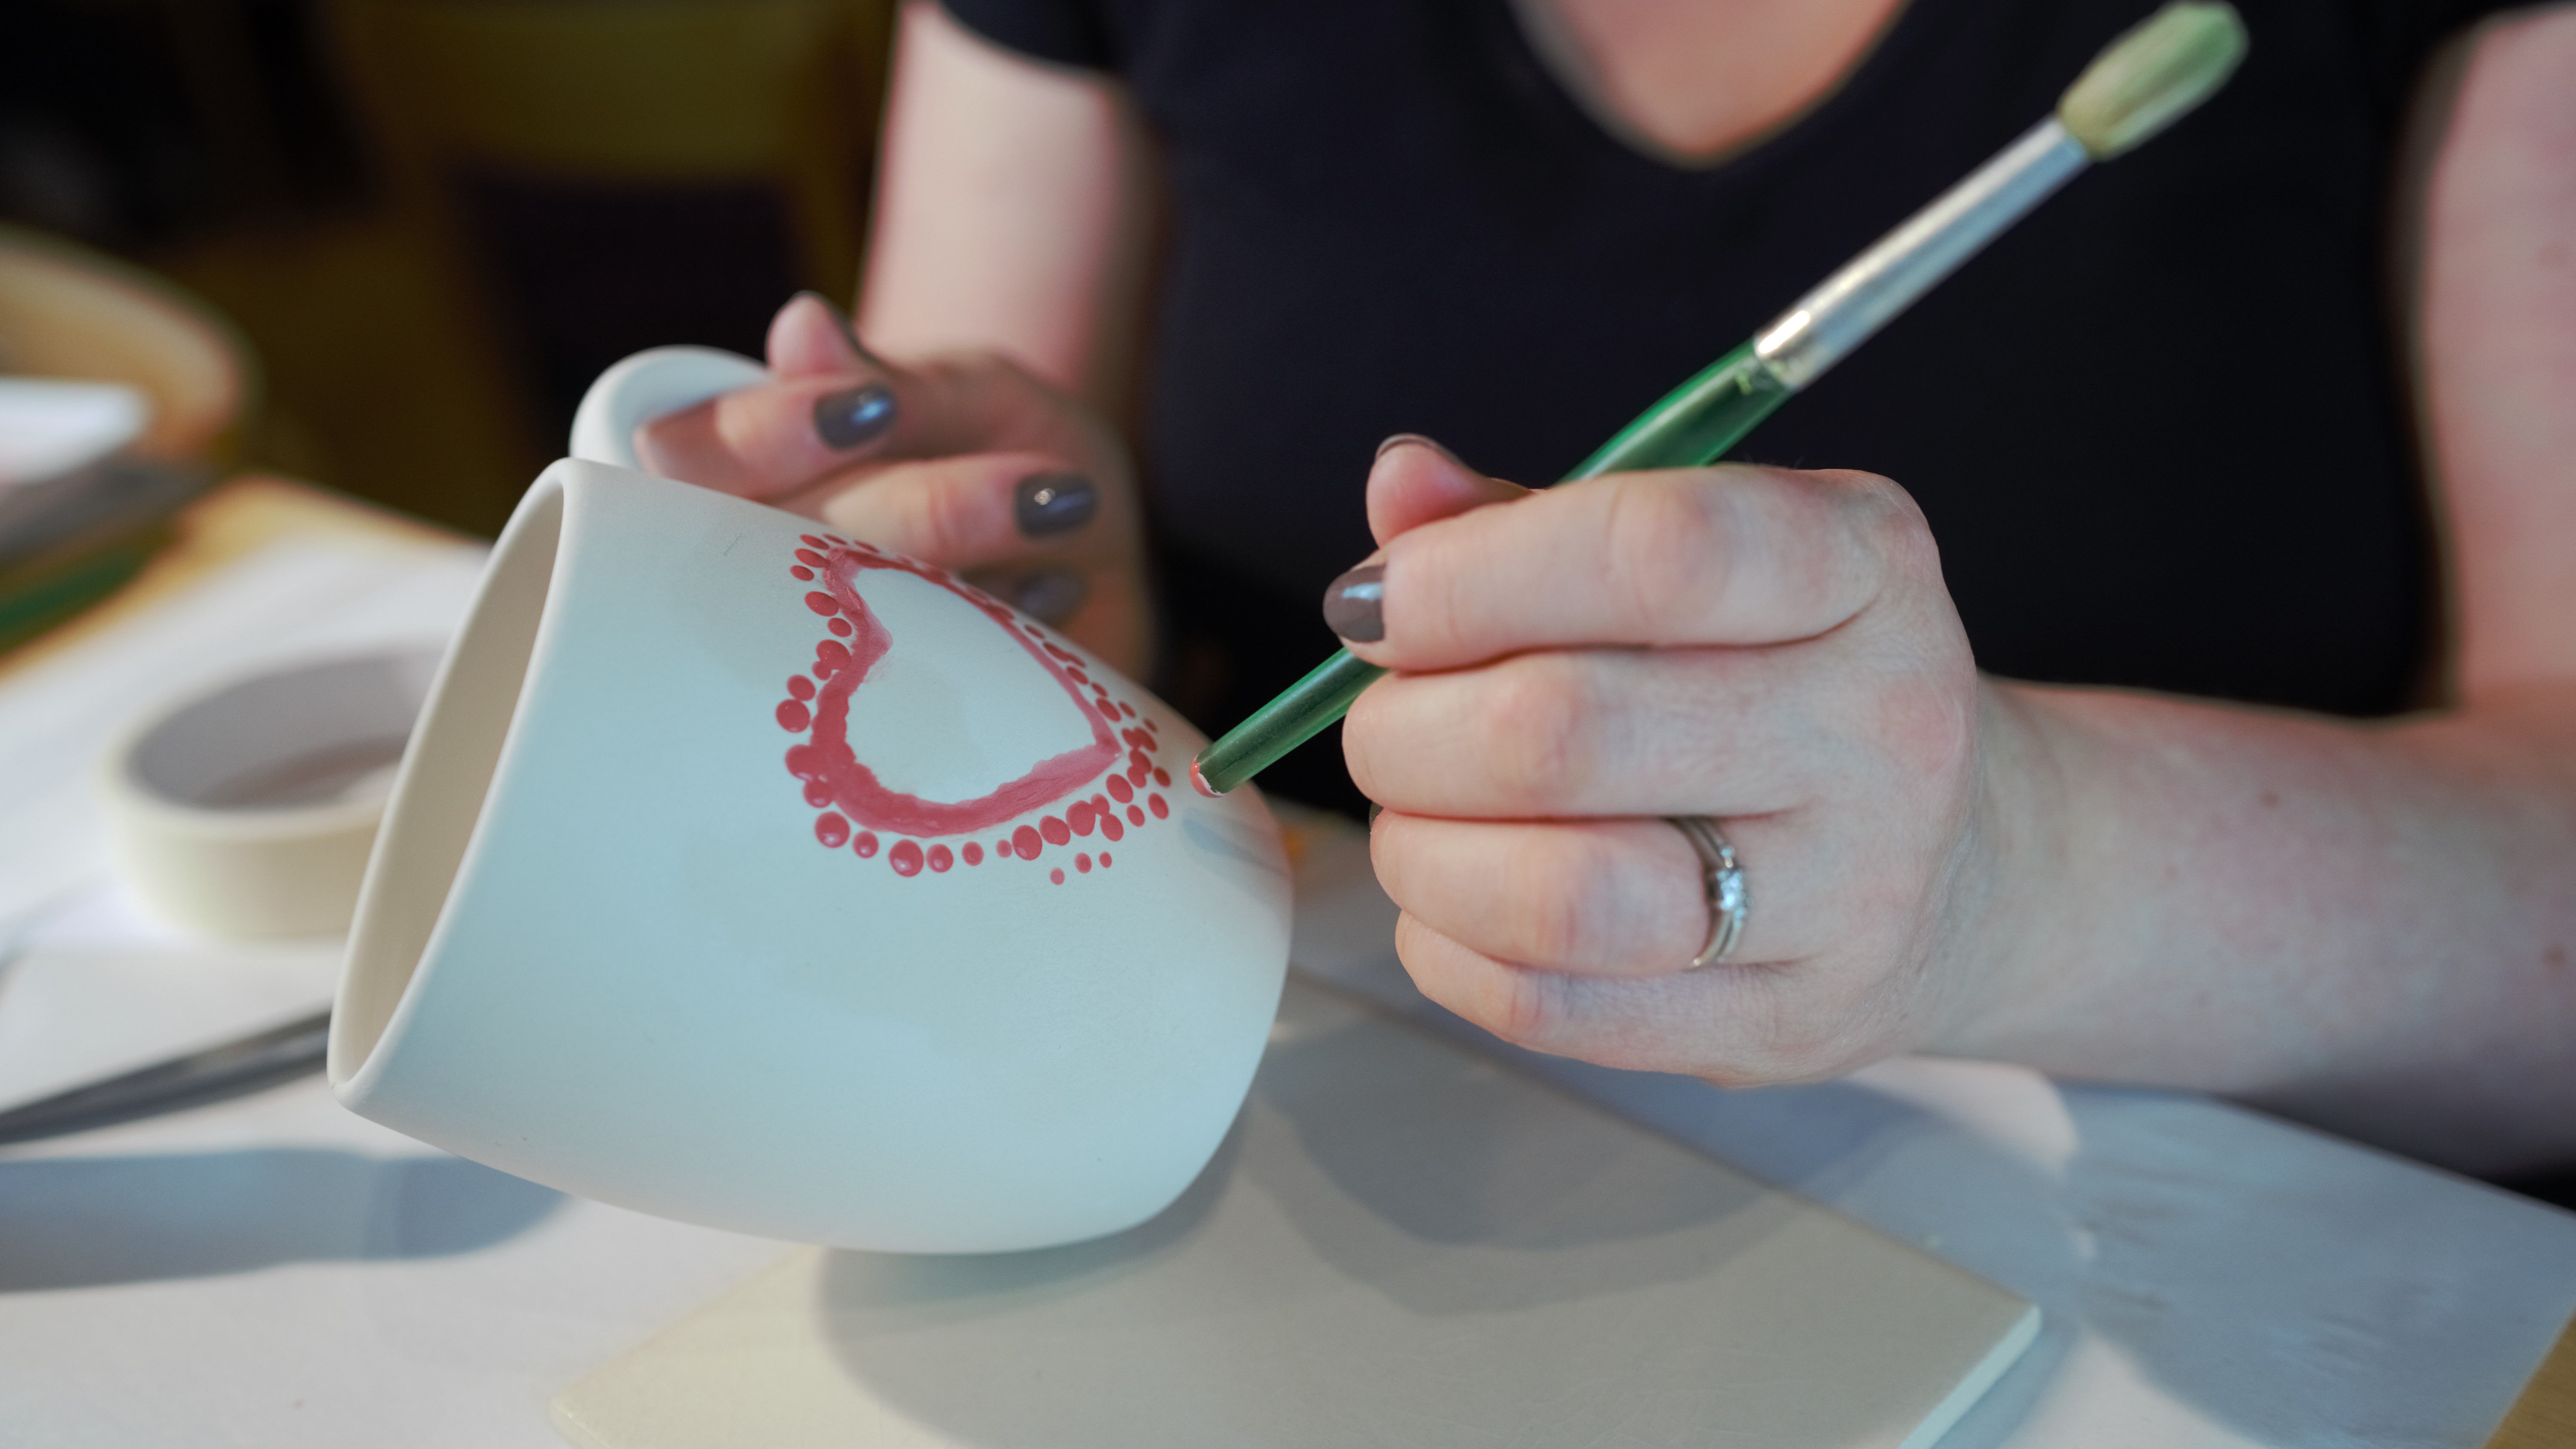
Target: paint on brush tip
1199, 781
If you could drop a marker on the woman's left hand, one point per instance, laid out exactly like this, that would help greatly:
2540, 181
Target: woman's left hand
1771, 649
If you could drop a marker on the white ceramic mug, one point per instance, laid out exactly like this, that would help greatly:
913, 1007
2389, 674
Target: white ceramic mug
743, 874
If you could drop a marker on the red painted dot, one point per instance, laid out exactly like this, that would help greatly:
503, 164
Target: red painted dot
821, 603
801, 687
940, 859
1110, 828
807, 538
1082, 863
832, 830
1078, 676
1104, 860
817, 793
1026, 839
1162, 777
867, 845
1120, 790
1139, 760
1079, 817
793, 716
1139, 774
1135, 815
800, 571
832, 652
840, 625
1128, 710
1055, 830
973, 854
905, 858
1056, 875
836, 538
1065, 655
809, 556
1160, 809
1002, 849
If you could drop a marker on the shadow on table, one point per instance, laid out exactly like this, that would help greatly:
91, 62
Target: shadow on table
1478, 1233
70, 1222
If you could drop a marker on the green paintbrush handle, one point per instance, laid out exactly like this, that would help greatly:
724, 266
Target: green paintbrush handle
1694, 424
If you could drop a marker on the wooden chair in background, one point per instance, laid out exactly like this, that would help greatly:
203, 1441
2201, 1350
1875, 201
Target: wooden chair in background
607, 175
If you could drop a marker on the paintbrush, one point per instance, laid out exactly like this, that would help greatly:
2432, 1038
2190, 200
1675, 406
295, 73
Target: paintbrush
2143, 82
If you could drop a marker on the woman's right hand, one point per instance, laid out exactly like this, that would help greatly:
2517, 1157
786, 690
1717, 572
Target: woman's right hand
965, 461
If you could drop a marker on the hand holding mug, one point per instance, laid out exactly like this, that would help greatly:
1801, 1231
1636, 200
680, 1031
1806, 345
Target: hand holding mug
965, 461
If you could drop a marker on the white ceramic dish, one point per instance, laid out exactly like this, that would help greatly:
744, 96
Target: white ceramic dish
743, 874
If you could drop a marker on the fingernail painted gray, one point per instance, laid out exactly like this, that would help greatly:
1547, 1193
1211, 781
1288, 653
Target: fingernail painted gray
853, 417
1354, 604
1051, 596
1048, 504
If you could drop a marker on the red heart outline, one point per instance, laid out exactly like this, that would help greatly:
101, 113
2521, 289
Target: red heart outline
829, 762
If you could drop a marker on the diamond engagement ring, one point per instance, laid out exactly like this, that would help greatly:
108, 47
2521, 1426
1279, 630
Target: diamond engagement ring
1721, 880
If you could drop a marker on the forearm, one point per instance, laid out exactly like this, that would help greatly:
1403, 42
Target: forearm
2366, 926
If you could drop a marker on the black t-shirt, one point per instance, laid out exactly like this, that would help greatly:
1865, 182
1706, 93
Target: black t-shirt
2159, 428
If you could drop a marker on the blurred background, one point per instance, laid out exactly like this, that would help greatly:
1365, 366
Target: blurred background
384, 244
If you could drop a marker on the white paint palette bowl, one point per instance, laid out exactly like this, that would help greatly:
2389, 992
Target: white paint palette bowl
741, 873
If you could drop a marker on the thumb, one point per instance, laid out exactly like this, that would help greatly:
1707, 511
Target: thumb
810, 336
1416, 481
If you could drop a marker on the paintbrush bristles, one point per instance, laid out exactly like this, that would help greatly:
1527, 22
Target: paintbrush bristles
2152, 76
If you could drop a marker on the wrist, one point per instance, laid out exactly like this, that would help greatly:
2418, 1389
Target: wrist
2008, 910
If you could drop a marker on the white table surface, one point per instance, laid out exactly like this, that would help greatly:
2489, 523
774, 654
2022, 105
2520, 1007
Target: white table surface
273, 1271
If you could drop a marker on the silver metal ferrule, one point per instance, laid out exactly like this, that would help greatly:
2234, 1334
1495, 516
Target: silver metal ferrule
1875, 286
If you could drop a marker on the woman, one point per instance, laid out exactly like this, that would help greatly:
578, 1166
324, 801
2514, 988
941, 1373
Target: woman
2156, 434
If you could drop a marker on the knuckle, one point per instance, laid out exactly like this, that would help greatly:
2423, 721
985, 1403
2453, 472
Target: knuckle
1670, 540
1924, 722
1541, 727
1525, 1008
1567, 901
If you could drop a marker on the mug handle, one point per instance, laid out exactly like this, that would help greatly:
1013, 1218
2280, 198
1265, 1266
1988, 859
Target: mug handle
646, 386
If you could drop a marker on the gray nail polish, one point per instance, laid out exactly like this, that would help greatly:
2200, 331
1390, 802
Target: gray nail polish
1051, 503
853, 416
1354, 604
1402, 440
1051, 596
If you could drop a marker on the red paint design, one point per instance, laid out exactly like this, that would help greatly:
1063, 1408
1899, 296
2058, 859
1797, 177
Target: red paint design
1104, 860
856, 804
1160, 809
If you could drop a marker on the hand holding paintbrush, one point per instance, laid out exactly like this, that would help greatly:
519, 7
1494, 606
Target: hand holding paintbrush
1553, 684
2145, 81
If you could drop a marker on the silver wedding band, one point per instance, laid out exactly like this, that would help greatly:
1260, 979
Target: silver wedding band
1721, 880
